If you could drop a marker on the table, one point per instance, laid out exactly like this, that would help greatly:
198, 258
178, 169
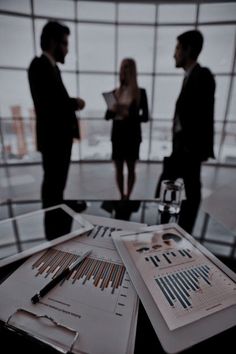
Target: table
221, 206
19, 237
145, 333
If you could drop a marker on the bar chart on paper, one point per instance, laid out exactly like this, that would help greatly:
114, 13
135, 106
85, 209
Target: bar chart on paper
97, 280
100, 236
184, 284
100, 280
98, 290
101, 232
195, 288
188, 292
166, 258
99, 273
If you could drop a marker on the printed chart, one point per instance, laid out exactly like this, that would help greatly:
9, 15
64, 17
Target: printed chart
99, 273
98, 281
97, 291
183, 282
167, 258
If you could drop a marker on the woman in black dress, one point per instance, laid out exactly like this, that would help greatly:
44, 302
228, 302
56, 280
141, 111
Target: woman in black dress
130, 109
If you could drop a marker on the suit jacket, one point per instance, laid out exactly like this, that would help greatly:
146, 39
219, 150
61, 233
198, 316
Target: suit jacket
195, 111
129, 129
56, 122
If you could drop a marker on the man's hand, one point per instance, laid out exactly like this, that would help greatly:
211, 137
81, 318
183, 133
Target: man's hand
81, 103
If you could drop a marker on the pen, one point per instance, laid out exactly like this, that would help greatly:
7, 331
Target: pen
58, 278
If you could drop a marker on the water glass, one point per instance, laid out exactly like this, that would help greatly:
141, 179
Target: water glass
170, 196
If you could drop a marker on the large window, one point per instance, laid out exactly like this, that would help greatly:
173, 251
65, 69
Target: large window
102, 34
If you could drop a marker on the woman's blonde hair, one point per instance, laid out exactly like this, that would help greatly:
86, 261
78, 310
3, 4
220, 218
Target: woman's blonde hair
131, 79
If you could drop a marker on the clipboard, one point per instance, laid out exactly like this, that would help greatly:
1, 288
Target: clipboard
33, 341
8, 325
138, 254
109, 98
72, 306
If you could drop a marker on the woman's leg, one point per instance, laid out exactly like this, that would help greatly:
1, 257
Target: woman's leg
119, 165
131, 176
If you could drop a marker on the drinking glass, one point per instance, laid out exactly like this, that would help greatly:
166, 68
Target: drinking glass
170, 196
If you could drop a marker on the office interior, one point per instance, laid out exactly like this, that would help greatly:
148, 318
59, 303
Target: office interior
102, 34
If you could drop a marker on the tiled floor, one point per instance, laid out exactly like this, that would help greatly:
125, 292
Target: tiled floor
95, 181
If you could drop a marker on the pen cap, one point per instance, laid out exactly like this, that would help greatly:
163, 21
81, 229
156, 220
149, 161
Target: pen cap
35, 299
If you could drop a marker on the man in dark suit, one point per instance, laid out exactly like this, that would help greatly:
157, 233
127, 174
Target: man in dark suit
56, 122
193, 126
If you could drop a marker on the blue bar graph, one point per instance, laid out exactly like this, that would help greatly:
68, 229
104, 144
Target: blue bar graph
178, 287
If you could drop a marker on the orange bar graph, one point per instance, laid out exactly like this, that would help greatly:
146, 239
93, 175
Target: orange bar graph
102, 274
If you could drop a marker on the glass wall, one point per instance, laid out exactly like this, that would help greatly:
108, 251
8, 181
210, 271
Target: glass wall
102, 34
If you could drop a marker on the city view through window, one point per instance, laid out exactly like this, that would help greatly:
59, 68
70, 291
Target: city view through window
102, 34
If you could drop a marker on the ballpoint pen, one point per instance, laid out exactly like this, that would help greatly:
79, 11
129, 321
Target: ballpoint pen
58, 278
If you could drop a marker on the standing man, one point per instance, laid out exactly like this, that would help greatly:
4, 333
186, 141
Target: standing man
193, 126
56, 122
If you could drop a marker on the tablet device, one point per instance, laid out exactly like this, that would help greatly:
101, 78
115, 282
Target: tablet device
29, 233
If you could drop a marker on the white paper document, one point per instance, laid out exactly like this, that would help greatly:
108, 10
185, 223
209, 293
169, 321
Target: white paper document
97, 300
178, 278
110, 99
